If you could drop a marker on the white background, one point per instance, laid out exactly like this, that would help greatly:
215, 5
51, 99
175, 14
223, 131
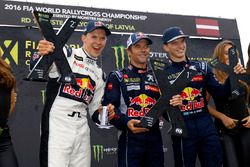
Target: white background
212, 8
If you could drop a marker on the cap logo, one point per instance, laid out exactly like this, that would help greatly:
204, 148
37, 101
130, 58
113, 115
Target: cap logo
140, 35
129, 42
98, 24
181, 32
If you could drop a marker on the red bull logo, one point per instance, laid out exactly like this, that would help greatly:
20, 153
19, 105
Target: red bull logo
193, 105
143, 100
69, 90
85, 83
135, 113
190, 93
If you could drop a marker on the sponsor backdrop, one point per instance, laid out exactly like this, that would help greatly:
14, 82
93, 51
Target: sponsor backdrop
19, 37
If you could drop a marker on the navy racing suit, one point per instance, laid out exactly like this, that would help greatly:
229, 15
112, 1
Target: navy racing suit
202, 140
133, 92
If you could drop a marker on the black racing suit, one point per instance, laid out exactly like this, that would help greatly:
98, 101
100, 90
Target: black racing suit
202, 140
7, 154
236, 141
133, 92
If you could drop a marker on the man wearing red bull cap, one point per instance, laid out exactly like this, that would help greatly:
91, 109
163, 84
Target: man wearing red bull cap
133, 91
202, 140
65, 138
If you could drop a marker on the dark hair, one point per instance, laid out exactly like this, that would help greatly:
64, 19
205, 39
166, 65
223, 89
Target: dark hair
6, 76
248, 62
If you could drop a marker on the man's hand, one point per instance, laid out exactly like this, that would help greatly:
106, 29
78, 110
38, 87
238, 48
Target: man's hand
45, 47
111, 111
131, 126
176, 100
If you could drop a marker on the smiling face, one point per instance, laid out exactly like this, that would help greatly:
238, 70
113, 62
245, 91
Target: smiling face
94, 42
139, 53
176, 49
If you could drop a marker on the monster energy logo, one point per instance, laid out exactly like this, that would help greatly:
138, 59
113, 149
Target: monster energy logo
120, 56
9, 51
43, 96
98, 152
214, 62
1, 131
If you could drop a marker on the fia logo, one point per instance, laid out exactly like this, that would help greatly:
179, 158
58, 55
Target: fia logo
9, 51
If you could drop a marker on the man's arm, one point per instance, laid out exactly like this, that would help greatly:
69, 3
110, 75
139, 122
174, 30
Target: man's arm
112, 95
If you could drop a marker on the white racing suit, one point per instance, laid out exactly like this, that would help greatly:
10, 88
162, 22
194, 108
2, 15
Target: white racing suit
65, 138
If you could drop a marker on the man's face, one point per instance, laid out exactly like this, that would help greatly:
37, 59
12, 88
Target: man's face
139, 53
94, 42
176, 49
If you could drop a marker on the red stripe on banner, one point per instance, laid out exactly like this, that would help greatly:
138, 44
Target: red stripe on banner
209, 22
207, 27
208, 32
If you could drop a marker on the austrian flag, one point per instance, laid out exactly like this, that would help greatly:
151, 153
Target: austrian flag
207, 27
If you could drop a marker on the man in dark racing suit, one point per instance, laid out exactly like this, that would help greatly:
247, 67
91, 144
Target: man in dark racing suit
133, 91
202, 137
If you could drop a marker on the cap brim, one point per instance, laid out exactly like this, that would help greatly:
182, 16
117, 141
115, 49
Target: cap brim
108, 32
150, 42
177, 37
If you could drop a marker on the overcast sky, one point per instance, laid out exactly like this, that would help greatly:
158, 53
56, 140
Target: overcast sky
211, 8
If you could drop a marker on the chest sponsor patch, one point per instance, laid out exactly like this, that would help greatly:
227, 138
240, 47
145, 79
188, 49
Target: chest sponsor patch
197, 78
78, 58
133, 87
78, 64
151, 88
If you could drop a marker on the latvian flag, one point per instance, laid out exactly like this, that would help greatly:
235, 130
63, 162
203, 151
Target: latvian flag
207, 27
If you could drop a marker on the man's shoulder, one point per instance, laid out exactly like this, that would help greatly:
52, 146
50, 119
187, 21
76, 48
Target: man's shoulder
119, 74
200, 65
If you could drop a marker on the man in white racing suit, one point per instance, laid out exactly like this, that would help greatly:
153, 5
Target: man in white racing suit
65, 138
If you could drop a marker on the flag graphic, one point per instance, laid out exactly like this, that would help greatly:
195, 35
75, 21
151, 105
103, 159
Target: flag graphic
207, 27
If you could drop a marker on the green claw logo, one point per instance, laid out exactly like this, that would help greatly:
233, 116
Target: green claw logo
43, 96
98, 152
120, 56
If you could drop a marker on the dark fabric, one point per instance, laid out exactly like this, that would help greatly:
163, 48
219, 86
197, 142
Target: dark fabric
5, 96
7, 154
236, 141
140, 150
202, 140
177, 151
133, 92
51, 93
237, 148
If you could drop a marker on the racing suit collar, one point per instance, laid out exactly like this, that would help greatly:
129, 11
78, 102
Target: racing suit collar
182, 63
138, 70
89, 56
